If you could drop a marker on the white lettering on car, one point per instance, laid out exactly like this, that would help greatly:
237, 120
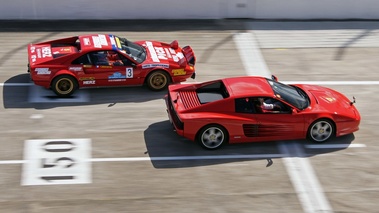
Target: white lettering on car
89, 82
43, 71
96, 41
77, 69
161, 53
152, 51
46, 52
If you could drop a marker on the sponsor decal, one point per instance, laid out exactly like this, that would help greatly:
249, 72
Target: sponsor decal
76, 69
160, 53
117, 75
146, 66
39, 53
96, 41
43, 71
330, 99
176, 72
32, 49
168, 53
46, 52
103, 40
86, 41
103, 66
33, 58
87, 66
89, 82
87, 78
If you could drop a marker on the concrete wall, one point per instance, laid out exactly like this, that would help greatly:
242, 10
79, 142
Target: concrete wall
189, 9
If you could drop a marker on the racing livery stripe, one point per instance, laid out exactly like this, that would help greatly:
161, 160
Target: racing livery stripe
152, 51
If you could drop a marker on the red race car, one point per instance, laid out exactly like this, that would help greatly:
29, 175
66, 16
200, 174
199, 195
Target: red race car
98, 60
255, 109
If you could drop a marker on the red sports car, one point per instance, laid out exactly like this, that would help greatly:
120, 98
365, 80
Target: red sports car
98, 60
255, 109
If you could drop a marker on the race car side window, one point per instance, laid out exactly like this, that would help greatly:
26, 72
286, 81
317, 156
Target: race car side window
84, 60
244, 105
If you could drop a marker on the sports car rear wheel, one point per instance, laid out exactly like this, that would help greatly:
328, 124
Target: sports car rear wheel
158, 80
212, 136
64, 86
321, 131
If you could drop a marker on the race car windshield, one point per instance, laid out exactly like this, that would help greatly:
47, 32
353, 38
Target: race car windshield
290, 94
132, 49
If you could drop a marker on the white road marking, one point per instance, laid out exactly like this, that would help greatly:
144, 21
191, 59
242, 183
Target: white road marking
301, 173
16, 84
204, 157
251, 55
36, 116
333, 82
39, 94
304, 179
56, 161
334, 146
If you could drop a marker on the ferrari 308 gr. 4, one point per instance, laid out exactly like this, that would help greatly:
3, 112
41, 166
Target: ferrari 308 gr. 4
99, 60
257, 109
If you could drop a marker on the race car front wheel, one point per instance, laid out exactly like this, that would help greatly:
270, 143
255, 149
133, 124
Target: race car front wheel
158, 80
321, 130
64, 86
212, 136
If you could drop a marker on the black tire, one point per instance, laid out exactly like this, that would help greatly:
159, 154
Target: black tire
321, 131
158, 80
212, 137
64, 85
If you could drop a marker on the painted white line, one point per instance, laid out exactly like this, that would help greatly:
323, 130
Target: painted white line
251, 55
16, 84
304, 179
334, 146
333, 82
172, 158
203, 157
39, 94
3, 162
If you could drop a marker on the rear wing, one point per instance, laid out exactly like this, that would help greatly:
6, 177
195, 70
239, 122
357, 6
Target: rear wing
189, 55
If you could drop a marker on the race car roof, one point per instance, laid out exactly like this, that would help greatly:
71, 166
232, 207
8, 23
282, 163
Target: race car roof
98, 41
248, 86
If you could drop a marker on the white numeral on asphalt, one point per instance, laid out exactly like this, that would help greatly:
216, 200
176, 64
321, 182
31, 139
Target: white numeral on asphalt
57, 161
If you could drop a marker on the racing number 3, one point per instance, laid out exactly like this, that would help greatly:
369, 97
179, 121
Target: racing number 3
129, 72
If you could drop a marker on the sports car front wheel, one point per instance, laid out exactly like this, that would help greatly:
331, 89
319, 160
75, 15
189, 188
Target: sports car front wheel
212, 137
64, 86
321, 131
158, 80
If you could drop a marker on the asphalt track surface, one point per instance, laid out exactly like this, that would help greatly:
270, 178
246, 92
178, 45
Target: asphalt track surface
118, 153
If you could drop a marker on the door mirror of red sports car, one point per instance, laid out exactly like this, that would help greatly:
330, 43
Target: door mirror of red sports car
294, 111
273, 77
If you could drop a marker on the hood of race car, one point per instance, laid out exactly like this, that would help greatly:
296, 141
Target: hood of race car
162, 54
329, 100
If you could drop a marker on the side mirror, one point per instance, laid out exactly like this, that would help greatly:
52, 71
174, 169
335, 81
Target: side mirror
273, 77
294, 111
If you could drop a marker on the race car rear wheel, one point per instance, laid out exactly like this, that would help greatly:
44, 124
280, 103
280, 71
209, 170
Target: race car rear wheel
64, 85
321, 130
158, 80
212, 136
